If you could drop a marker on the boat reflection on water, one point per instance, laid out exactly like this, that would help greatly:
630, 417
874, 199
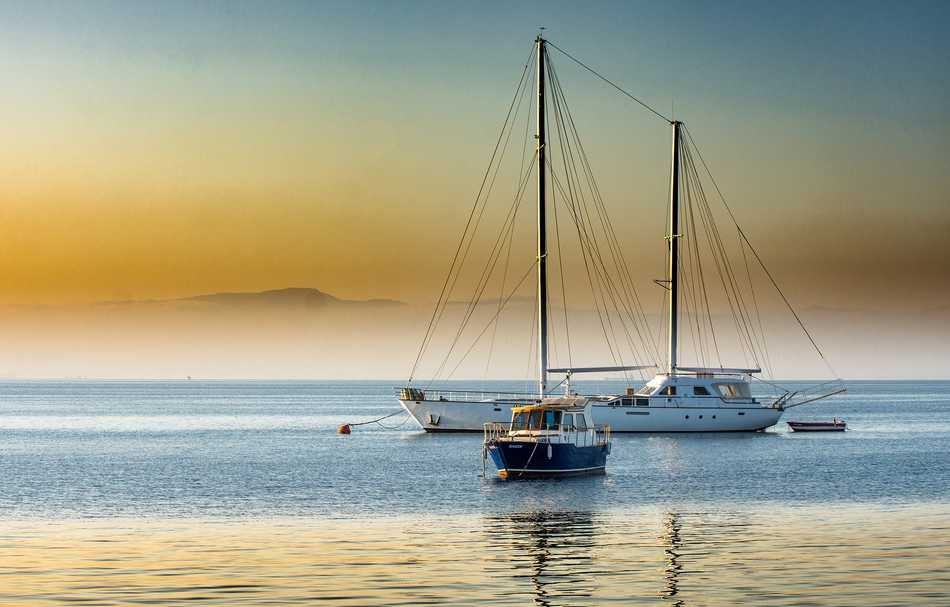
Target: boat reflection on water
552, 549
571, 558
671, 547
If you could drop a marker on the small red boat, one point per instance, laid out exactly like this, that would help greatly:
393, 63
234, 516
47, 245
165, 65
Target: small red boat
835, 425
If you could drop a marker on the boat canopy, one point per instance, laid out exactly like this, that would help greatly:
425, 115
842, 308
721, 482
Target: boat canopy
558, 403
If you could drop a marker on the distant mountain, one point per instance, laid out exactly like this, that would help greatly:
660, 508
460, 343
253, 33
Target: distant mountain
296, 297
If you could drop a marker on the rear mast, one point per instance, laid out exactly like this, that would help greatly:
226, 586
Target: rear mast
673, 237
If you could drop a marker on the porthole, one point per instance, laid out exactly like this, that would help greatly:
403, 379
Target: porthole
714, 417
687, 417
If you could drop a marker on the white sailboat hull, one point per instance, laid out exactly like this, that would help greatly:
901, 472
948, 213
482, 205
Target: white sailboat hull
468, 416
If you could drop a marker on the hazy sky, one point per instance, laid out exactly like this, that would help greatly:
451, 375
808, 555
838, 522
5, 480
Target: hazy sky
166, 149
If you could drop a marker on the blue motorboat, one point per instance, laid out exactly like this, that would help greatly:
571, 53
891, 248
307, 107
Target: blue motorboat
554, 437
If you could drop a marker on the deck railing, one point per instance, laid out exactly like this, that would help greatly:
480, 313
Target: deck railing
474, 396
597, 435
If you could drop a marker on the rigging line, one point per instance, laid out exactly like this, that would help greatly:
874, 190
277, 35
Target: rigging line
560, 263
558, 153
527, 123
569, 195
742, 308
691, 282
702, 278
685, 304
758, 316
722, 273
487, 272
521, 171
759, 259
688, 263
484, 194
685, 268
493, 258
602, 272
492, 320
443, 304
721, 257
482, 210
495, 251
629, 303
604, 288
585, 253
501, 290
594, 72
573, 186
435, 313
581, 236
612, 240
693, 260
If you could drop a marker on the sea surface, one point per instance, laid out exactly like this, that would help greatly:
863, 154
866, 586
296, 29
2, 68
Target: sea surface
242, 493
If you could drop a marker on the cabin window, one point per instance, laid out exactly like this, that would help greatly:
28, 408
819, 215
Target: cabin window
729, 391
581, 423
700, 391
643, 402
626, 402
534, 422
519, 421
552, 419
668, 391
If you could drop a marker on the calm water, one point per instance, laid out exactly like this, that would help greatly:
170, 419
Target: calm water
241, 493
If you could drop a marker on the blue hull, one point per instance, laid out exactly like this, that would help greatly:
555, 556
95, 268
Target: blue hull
531, 460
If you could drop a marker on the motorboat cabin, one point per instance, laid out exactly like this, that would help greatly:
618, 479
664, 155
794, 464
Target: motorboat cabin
731, 388
555, 437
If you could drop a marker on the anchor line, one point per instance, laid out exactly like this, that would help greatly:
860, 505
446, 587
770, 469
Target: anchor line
376, 421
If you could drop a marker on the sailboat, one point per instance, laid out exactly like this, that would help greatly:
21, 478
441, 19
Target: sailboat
680, 397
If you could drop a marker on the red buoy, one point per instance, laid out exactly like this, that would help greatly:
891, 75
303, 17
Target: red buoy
343, 429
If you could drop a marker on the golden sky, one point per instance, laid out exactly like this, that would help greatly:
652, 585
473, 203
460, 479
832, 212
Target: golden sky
167, 151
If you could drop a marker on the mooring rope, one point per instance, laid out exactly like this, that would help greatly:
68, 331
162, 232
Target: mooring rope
379, 419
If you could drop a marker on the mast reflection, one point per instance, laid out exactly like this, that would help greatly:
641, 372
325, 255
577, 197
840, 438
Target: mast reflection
552, 550
672, 542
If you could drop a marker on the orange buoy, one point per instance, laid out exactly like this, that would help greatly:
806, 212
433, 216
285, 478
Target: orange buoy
343, 429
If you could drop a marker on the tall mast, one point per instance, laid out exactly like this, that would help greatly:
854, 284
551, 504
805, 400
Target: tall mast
673, 238
542, 241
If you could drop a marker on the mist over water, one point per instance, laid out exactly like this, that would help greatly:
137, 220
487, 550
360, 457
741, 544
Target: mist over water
225, 493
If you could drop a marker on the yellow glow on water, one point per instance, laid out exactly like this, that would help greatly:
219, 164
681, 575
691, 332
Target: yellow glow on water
774, 555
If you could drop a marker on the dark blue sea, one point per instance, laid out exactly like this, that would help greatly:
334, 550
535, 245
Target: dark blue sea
219, 492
